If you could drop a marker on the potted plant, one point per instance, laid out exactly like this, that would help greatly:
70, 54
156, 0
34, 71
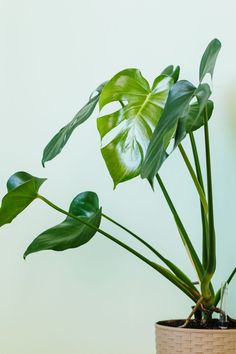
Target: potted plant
137, 138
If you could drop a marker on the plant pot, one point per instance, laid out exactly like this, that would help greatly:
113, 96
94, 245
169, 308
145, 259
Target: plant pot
174, 340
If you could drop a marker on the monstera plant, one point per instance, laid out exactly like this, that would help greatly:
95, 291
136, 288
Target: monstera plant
149, 123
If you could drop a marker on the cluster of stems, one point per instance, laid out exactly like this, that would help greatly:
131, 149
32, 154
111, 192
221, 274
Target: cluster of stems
204, 267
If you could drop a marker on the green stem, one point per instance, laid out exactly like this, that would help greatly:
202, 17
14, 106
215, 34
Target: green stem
205, 229
218, 294
165, 272
184, 236
205, 226
194, 178
211, 266
177, 271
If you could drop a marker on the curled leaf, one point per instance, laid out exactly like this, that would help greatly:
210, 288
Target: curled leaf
71, 233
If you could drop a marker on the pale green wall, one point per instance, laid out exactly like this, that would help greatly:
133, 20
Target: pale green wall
98, 299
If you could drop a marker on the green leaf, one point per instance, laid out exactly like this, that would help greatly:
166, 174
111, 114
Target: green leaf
191, 121
171, 71
178, 119
71, 233
55, 146
208, 60
177, 104
130, 129
22, 190
193, 118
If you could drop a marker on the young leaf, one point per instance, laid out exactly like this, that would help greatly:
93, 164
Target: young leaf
191, 121
22, 190
193, 118
208, 60
132, 126
171, 71
58, 142
71, 233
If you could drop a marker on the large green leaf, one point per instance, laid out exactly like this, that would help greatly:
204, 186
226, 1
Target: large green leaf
208, 60
176, 106
130, 129
22, 190
58, 142
71, 233
178, 119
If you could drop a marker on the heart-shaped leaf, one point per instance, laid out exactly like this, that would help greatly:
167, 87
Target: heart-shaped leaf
22, 190
58, 142
130, 128
71, 233
208, 60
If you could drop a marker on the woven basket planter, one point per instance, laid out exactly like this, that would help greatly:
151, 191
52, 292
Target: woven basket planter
172, 340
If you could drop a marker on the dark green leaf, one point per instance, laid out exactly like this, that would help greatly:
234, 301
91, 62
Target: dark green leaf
22, 190
208, 60
132, 126
177, 104
192, 121
193, 118
71, 233
58, 142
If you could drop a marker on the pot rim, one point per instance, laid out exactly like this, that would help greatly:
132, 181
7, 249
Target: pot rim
191, 330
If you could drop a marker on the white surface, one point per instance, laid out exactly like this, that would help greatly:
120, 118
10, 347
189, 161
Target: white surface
98, 299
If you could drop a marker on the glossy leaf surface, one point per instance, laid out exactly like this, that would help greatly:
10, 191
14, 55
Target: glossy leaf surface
208, 60
131, 127
179, 118
71, 233
192, 121
55, 146
22, 190
177, 104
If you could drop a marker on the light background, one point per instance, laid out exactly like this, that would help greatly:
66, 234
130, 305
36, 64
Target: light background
98, 299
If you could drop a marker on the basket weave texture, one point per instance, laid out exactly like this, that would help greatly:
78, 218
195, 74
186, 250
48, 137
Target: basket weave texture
170, 340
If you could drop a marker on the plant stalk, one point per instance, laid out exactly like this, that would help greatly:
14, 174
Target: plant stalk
194, 178
194, 295
184, 236
205, 228
177, 271
211, 265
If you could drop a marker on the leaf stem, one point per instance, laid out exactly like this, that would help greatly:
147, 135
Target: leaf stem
183, 233
194, 295
211, 266
177, 271
205, 229
194, 178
